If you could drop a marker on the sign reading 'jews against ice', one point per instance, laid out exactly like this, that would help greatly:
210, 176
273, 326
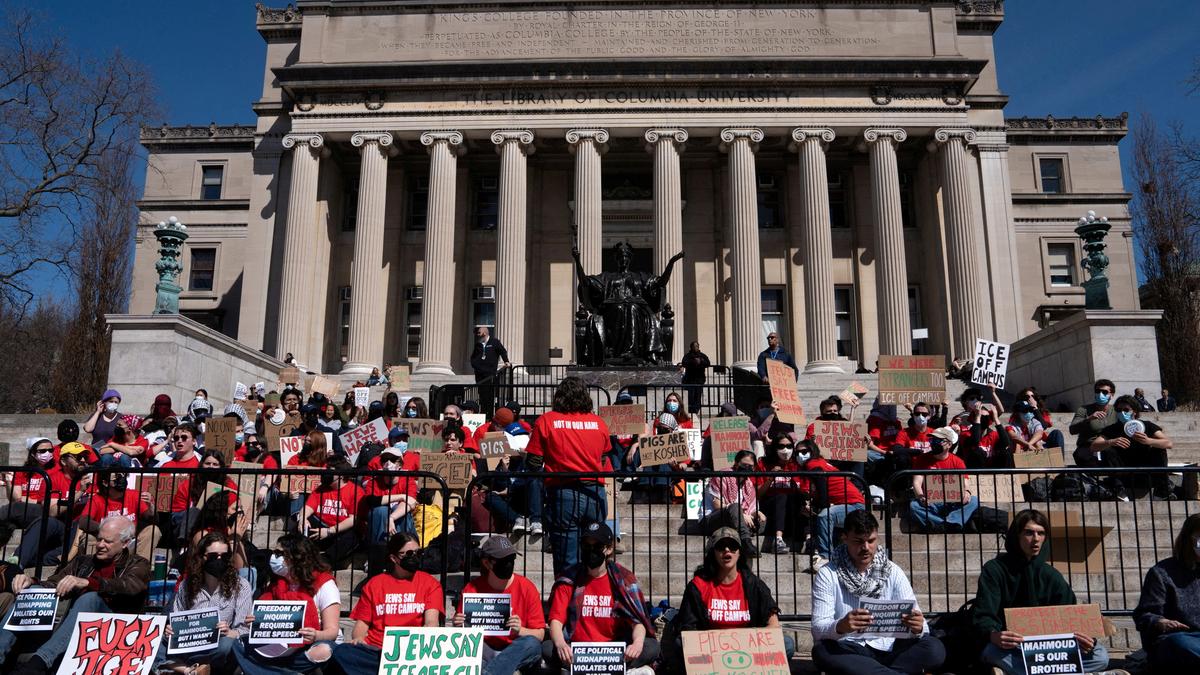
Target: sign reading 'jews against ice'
991, 363
911, 379
1051, 654
841, 441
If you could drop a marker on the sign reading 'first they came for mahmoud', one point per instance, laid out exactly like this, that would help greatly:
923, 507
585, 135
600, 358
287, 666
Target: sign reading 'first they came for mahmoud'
912, 379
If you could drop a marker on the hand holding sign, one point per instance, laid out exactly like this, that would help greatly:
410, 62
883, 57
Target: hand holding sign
991, 363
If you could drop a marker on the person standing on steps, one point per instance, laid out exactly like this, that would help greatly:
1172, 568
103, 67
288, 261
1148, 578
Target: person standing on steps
694, 368
776, 352
486, 357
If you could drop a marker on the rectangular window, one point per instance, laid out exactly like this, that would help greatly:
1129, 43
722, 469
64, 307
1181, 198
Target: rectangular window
350, 206
344, 322
769, 217
1051, 170
843, 316
203, 266
487, 203
916, 321
418, 202
412, 322
908, 215
210, 181
838, 219
483, 307
1060, 263
772, 314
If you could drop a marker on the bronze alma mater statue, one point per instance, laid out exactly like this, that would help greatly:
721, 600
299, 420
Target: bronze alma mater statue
618, 322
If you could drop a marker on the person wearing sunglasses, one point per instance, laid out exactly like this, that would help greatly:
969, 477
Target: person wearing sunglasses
378, 608
723, 594
211, 582
782, 497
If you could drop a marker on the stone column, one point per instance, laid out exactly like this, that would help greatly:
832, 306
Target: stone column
746, 268
510, 254
367, 299
962, 263
588, 145
820, 321
891, 274
437, 307
668, 219
295, 320
1007, 310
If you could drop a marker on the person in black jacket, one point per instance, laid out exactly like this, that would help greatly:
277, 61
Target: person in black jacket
723, 594
694, 367
1168, 612
485, 361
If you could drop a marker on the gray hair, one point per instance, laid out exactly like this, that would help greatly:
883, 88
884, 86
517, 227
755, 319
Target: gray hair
127, 531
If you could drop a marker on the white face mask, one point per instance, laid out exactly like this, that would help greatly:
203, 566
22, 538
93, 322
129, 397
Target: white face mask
803, 457
784, 453
44, 457
110, 408
278, 416
921, 420
279, 565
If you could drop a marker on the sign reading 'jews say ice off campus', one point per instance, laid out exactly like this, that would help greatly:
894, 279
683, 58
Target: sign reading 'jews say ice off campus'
410, 651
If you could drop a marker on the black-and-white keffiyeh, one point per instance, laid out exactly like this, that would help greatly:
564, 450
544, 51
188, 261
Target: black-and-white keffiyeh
867, 584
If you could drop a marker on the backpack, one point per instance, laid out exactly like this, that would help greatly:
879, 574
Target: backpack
1037, 490
987, 520
432, 560
956, 631
1068, 487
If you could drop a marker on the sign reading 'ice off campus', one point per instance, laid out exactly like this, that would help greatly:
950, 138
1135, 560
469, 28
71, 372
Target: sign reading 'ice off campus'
911, 379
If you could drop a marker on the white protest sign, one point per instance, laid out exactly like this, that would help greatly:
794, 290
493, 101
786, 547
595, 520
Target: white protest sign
240, 391
991, 363
194, 631
693, 498
473, 421
375, 431
1047, 654
33, 610
488, 611
276, 622
695, 441
434, 650
362, 396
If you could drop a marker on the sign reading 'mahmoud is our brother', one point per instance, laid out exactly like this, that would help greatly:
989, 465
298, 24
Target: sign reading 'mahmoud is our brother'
636, 33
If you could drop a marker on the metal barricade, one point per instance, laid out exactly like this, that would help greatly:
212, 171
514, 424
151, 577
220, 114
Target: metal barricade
534, 399
29, 518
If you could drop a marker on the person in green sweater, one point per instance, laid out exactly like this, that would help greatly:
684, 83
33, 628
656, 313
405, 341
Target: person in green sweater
1020, 577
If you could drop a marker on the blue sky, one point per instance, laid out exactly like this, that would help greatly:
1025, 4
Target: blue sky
1062, 58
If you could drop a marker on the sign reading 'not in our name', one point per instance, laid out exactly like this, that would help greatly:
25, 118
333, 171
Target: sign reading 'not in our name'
911, 379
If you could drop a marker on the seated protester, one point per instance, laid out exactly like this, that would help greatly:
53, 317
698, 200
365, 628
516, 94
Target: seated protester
160, 410
982, 442
1090, 420
72, 460
1116, 446
1025, 429
1020, 577
222, 514
913, 440
616, 609
383, 605
526, 493
860, 570
103, 420
428, 519
416, 408
184, 440
1166, 403
9, 574
391, 408
500, 422
936, 516
387, 506
331, 514
522, 647
780, 496
126, 447
194, 488
331, 418
112, 579
833, 500
764, 423
28, 493
68, 432
883, 426
658, 490
315, 453
452, 416
299, 574
454, 438
1168, 613
375, 378
1144, 405
1054, 437
622, 446
113, 497
210, 581
732, 501
673, 404
724, 593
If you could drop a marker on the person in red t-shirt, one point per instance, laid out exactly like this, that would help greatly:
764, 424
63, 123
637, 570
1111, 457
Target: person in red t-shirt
781, 498
526, 624
388, 502
834, 499
948, 513
598, 600
570, 438
126, 444
331, 512
183, 448
723, 594
114, 498
29, 491
982, 441
406, 597
912, 441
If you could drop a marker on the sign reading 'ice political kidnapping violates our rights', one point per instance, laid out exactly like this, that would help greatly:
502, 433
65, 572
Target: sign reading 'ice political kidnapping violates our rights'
194, 631
488, 611
276, 622
887, 618
102, 644
597, 658
991, 363
454, 651
1051, 654
33, 610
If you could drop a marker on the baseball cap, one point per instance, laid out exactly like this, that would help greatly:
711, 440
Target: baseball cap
397, 433
623, 397
721, 535
497, 547
946, 434
515, 429
73, 448
599, 532
390, 450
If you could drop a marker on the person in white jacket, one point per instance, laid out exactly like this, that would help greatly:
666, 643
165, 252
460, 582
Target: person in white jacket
847, 638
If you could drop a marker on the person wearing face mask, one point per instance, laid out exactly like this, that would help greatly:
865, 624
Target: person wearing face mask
222, 514
781, 496
388, 501
982, 441
27, 494
72, 460
616, 607
103, 421
114, 497
1144, 444
673, 404
833, 500
190, 489
1021, 577
941, 516
331, 513
522, 647
290, 399
416, 408
831, 411
1168, 612
1025, 429
298, 574
210, 581
912, 440
883, 426
1090, 419
376, 610
732, 501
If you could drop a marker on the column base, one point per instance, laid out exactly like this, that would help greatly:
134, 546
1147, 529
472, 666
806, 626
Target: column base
357, 369
815, 367
751, 366
424, 368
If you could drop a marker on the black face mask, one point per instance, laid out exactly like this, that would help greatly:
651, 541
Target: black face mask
232, 520
120, 483
830, 416
216, 567
503, 569
326, 481
593, 556
410, 563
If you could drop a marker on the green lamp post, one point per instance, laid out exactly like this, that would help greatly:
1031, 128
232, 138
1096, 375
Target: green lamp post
171, 236
1092, 231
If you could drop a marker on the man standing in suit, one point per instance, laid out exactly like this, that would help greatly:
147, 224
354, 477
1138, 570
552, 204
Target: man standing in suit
485, 359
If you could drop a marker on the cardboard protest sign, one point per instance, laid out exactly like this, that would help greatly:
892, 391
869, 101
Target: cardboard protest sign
325, 385
729, 436
910, 379
362, 396
472, 421
598, 658
1070, 619
943, 489
375, 431
161, 489
240, 391
101, 644
434, 650
783, 392
624, 420
423, 435
300, 483
991, 363
274, 432
290, 375
219, 435
854, 393
664, 448
488, 611
1076, 547
1046, 654
289, 447
735, 651
194, 631
841, 441
276, 622
33, 610
399, 378
247, 486
886, 618
693, 498
494, 447
1048, 458
455, 470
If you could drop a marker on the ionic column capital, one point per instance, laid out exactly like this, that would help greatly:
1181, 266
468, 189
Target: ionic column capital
947, 134
312, 140
679, 136
450, 137
731, 135
875, 134
522, 137
822, 136
599, 137
361, 138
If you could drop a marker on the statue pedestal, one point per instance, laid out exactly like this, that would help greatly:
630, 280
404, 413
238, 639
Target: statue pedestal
614, 377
